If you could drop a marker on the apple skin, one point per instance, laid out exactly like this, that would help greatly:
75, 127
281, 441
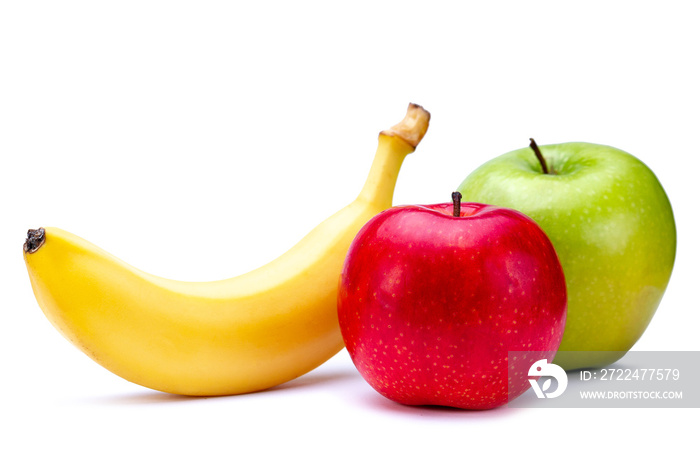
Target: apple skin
429, 304
612, 226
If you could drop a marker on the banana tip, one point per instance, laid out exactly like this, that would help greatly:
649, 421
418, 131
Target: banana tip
35, 239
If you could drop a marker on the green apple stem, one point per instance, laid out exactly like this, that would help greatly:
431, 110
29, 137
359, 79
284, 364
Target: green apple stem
540, 157
456, 203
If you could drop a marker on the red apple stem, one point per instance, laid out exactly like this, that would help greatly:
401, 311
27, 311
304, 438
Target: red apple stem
540, 157
456, 203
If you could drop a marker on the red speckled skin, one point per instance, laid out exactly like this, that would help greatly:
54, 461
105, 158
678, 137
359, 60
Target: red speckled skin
430, 304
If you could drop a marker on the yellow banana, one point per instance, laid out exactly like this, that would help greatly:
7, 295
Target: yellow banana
225, 337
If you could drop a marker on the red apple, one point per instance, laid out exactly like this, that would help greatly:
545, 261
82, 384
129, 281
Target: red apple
433, 297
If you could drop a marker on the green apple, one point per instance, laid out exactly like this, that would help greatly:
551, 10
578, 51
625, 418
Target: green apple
612, 226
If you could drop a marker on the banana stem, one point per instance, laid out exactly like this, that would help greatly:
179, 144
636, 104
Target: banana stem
413, 126
394, 145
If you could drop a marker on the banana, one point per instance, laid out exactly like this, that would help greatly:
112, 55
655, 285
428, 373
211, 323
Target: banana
224, 337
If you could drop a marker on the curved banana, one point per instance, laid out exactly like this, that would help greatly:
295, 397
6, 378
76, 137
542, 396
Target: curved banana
225, 337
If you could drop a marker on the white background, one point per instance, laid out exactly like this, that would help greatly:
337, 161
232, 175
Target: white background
198, 140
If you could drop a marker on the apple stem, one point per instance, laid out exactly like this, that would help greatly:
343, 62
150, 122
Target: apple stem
456, 203
536, 149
